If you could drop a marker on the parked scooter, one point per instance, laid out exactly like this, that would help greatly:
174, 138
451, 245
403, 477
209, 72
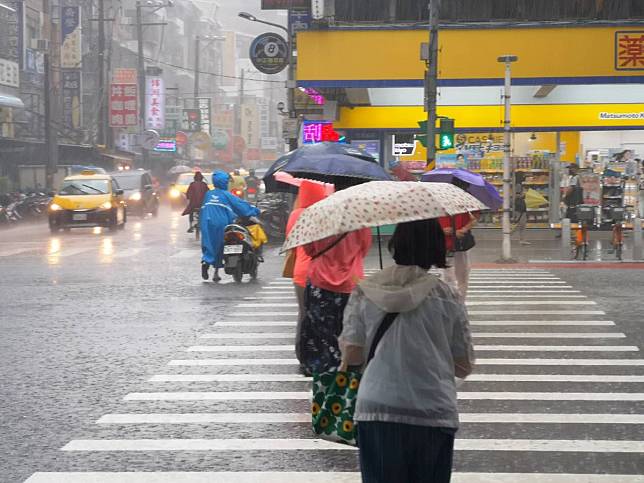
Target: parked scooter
274, 215
242, 255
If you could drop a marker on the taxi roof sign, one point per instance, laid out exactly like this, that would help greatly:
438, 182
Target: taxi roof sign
88, 172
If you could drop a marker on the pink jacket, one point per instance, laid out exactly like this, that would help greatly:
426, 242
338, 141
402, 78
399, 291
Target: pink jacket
342, 267
309, 194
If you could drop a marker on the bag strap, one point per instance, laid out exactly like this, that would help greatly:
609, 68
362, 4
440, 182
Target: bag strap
338, 240
384, 325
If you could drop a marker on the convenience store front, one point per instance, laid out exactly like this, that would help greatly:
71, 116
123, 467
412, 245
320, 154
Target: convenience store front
564, 96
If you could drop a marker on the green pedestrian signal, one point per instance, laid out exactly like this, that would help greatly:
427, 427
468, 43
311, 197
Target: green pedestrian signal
446, 136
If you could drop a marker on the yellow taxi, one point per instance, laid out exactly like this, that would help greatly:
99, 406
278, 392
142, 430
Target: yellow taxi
88, 199
180, 187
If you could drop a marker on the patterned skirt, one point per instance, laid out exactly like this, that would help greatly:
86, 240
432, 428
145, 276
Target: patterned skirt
321, 327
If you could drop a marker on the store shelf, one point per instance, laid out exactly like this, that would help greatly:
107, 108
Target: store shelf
612, 197
536, 183
521, 170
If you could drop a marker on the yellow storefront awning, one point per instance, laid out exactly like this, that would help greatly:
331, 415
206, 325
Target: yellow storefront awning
550, 117
549, 54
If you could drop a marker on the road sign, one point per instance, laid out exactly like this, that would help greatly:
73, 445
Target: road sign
220, 139
200, 140
182, 138
290, 128
269, 53
149, 139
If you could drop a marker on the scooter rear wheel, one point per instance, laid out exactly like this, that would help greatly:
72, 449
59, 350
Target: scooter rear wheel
238, 274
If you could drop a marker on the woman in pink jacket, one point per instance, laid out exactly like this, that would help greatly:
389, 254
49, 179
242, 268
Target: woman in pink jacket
308, 194
335, 269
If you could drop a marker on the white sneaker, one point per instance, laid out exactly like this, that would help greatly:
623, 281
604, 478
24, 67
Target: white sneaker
525, 243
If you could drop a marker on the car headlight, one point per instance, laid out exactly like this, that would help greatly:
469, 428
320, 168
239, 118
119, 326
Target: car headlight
175, 193
106, 206
55, 207
135, 196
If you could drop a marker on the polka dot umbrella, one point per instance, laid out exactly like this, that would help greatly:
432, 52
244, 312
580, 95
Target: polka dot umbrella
378, 203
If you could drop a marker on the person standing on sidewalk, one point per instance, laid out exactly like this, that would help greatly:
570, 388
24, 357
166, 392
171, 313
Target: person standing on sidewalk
457, 227
521, 211
406, 409
308, 194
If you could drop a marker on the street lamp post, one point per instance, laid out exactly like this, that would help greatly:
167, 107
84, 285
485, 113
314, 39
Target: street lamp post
506, 247
290, 82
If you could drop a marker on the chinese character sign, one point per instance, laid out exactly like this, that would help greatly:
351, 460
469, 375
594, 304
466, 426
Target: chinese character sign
629, 50
204, 110
319, 131
70, 50
9, 73
123, 105
71, 92
155, 103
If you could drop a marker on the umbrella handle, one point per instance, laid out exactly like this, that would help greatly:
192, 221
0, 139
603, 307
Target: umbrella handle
379, 246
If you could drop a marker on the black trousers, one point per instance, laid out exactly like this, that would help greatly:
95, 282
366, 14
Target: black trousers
404, 453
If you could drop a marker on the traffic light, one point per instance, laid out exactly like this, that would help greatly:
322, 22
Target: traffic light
446, 135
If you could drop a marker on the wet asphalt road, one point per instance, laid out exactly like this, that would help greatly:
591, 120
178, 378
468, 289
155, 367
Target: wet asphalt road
87, 318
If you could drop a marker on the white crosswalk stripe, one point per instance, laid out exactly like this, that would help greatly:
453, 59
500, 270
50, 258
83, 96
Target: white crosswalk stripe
551, 369
309, 477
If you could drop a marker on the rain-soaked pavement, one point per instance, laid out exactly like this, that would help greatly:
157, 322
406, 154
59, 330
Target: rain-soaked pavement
116, 357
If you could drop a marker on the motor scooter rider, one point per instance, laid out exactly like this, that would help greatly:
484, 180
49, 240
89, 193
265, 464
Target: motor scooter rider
220, 208
195, 194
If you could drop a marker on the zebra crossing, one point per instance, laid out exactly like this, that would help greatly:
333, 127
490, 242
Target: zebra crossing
556, 396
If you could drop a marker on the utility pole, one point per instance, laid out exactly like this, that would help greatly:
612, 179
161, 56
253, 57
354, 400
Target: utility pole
197, 55
431, 82
506, 247
141, 79
290, 82
102, 94
51, 134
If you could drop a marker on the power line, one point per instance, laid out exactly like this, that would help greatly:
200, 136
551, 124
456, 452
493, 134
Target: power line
213, 73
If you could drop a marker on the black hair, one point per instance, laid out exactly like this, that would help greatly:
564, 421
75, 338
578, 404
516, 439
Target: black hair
420, 243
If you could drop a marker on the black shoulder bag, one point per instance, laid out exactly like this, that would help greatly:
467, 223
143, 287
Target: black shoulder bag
382, 328
465, 243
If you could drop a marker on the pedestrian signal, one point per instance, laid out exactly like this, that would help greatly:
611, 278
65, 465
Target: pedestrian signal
446, 136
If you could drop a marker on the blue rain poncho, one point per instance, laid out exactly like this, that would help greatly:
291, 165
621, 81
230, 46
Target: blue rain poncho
220, 208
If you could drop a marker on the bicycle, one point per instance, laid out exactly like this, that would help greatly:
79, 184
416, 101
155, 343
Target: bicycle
581, 241
617, 240
584, 214
195, 224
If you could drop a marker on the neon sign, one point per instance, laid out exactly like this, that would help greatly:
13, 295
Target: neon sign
319, 131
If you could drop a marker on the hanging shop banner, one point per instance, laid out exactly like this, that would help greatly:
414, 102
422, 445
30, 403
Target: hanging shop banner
124, 76
9, 73
224, 118
123, 105
71, 93
250, 128
191, 120
285, 4
204, 105
12, 20
155, 103
319, 131
269, 53
71, 49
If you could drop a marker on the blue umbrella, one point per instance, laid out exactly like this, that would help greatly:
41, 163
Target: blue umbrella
478, 187
340, 164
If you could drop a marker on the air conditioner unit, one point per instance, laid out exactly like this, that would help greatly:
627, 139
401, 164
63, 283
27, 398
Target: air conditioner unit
39, 44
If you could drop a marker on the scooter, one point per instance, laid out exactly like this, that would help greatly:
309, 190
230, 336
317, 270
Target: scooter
240, 256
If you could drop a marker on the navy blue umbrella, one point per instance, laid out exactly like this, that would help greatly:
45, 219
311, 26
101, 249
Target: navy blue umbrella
340, 164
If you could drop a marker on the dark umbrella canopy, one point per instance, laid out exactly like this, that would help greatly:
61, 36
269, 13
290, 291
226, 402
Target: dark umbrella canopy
340, 164
483, 191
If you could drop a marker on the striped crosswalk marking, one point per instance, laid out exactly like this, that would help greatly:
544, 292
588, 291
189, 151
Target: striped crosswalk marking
260, 444
517, 397
309, 477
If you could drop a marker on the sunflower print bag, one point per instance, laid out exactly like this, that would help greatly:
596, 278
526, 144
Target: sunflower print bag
334, 400
335, 394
